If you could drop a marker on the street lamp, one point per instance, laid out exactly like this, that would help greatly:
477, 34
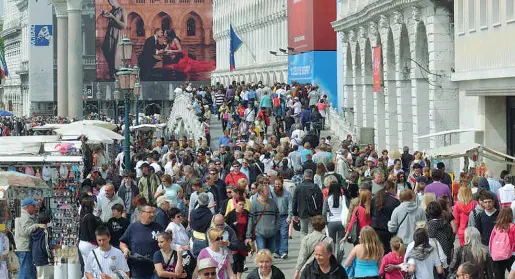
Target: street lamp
98, 95
116, 95
126, 83
137, 92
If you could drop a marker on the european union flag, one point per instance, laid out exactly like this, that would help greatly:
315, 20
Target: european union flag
236, 43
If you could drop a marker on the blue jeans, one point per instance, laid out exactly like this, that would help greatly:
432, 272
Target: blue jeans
265, 243
281, 240
27, 269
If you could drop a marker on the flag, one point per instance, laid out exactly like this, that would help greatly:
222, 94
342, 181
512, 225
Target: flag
3, 65
236, 43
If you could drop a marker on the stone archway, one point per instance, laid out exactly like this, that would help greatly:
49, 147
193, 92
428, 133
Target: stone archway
421, 87
390, 92
404, 70
136, 26
358, 88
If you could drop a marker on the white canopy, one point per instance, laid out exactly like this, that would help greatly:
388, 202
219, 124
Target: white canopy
94, 133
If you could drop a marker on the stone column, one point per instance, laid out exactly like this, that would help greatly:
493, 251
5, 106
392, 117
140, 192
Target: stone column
62, 57
75, 69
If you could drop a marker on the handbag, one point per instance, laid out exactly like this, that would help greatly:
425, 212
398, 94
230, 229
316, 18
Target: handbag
12, 261
345, 211
351, 270
353, 237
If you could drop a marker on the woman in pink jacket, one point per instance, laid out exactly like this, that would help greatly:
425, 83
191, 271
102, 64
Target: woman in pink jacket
462, 209
363, 210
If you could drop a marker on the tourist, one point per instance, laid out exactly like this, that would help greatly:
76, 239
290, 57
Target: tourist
462, 209
264, 268
216, 252
423, 258
405, 216
300, 208
105, 261
474, 252
167, 261
381, 209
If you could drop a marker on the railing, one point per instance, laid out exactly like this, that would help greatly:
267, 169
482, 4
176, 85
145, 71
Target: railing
338, 126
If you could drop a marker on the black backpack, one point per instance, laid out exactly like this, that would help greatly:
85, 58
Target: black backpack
313, 206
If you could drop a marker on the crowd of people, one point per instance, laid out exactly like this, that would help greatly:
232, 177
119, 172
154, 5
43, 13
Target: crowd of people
189, 209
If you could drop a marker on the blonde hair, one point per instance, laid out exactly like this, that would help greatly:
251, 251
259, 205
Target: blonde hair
263, 255
465, 195
428, 197
372, 247
394, 154
398, 246
215, 233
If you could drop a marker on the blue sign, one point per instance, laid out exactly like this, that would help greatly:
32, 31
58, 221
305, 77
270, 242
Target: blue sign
40, 35
317, 68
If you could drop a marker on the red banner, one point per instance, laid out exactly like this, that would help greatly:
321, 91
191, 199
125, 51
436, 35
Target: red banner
377, 68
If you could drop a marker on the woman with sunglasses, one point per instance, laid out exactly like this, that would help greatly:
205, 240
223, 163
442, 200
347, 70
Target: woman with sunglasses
169, 189
221, 256
402, 182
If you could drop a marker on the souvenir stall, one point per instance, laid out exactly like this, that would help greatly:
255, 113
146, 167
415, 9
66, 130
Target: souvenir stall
14, 187
58, 166
473, 155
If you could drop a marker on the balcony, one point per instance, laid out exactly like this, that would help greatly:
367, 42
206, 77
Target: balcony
11, 28
88, 62
24, 68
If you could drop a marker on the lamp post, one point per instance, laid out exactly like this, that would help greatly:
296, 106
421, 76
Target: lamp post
137, 92
126, 80
98, 95
116, 95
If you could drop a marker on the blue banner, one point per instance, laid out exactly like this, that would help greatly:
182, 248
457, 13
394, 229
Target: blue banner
317, 68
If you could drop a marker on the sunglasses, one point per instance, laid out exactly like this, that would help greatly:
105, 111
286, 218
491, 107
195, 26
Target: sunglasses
229, 192
219, 238
212, 173
210, 274
236, 166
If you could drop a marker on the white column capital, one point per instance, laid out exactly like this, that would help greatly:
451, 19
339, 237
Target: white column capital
60, 8
74, 5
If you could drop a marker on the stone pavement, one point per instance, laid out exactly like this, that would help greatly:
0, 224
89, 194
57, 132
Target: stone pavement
287, 266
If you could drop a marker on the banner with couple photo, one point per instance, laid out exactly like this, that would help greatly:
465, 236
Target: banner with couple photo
173, 40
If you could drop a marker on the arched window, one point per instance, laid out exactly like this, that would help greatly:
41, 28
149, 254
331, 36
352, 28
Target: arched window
191, 27
165, 24
140, 28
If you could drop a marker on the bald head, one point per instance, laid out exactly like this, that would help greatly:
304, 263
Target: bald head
219, 221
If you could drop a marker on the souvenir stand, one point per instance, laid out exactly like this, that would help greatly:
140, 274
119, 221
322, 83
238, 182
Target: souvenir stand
59, 165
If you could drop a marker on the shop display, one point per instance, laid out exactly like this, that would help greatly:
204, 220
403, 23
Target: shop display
64, 206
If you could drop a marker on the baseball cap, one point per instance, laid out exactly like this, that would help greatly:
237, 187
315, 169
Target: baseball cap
28, 201
144, 165
206, 263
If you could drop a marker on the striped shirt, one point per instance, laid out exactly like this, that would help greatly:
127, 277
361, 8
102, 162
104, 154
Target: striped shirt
219, 99
110, 261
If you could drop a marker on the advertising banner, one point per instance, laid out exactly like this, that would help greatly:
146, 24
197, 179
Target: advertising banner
317, 68
377, 69
306, 16
173, 40
41, 51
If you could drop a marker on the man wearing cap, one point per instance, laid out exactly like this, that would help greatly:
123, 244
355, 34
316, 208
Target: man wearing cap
370, 168
206, 269
127, 191
94, 175
148, 183
24, 226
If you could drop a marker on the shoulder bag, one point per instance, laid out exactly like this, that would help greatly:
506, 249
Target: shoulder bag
257, 221
353, 237
402, 221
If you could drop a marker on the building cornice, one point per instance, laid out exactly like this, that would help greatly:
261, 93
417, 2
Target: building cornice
264, 21
273, 66
373, 11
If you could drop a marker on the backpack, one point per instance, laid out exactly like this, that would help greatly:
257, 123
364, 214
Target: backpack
500, 246
313, 207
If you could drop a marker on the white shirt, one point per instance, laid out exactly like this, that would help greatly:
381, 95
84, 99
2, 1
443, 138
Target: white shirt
180, 236
139, 173
507, 193
193, 201
156, 166
249, 114
110, 261
297, 108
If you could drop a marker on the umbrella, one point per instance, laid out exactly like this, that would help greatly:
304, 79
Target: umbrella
103, 124
94, 133
5, 113
18, 179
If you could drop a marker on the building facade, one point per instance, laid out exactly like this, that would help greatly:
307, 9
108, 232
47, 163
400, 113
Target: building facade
15, 97
262, 26
417, 96
485, 73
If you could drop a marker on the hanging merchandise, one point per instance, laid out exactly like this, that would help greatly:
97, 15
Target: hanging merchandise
64, 206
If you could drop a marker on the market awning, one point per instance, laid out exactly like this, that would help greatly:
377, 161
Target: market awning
462, 149
458, 131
